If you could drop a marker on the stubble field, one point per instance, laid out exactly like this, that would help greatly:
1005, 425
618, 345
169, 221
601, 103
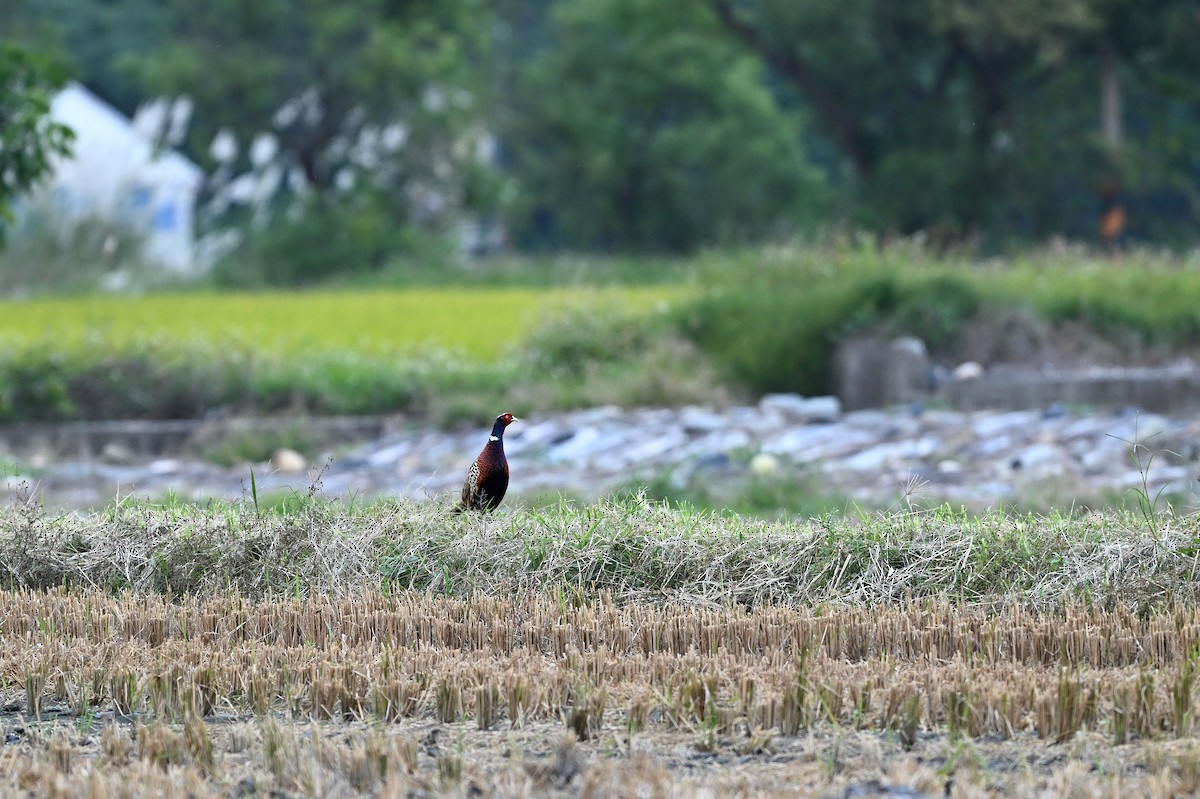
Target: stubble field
623, 649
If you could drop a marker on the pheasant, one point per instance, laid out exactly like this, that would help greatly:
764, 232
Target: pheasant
487, 479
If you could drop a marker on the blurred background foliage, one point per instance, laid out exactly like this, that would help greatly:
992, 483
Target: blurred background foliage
340, 139
29, 140
799, 172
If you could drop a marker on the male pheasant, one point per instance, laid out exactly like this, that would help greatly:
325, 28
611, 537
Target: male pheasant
487, 479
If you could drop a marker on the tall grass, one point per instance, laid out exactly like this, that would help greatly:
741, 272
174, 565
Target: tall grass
771, 318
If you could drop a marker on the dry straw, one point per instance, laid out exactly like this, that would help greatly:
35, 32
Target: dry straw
507, 660
636, 550
604, 623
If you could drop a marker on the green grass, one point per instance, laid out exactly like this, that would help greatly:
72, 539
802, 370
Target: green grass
167, 379
632, 548
442, 354
771, 318
535, 335
483, 322
788, 492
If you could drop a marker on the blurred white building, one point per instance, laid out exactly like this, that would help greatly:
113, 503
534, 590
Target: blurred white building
117, 174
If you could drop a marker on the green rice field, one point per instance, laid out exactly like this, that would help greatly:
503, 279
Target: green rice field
480, 323
716, 327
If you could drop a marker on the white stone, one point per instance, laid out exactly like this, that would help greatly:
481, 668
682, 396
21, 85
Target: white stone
985, 447
863, 454
288, 461
1040, 460
909, 345
993, 424
652, 449
116, 453
802, 409
815, 442
575, 448
534, 435
969, 370
891, 453
718, 441
701, 420
764, 464
388, 455
1103, 455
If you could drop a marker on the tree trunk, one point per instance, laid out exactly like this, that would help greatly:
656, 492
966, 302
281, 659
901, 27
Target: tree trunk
1110, 98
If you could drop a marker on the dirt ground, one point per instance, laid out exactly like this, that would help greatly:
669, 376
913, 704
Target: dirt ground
237, 755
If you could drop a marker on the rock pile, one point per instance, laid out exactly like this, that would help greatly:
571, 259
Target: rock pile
874, 457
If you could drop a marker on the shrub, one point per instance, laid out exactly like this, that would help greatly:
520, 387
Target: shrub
172, 380
770, 319
582, 357
49, 255
324, 240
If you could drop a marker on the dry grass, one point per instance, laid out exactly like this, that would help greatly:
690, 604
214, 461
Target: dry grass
634, 549
393, 693
534, 658
264, 757
615, 650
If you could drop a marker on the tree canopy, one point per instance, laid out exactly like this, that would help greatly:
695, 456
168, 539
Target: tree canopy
977, 117
619, 125
647, 130
357, 122
29, 140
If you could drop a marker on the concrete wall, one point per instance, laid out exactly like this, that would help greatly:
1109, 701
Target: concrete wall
1164, 390
873, 372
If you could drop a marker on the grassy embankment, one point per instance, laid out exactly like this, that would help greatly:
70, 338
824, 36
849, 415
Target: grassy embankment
718, 326
428, 351
617, 649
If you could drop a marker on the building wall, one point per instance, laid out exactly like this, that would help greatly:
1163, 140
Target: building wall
116, 175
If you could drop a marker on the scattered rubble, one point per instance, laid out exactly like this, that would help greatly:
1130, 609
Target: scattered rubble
874, 457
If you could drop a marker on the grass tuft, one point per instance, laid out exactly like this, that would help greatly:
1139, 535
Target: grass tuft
631, 548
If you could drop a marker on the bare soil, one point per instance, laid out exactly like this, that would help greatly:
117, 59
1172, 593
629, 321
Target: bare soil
109, 755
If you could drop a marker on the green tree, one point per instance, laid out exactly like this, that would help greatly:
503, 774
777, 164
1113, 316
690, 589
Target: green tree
964, 116
97, 41
29, 139
636, 126
1148, 56
366, 115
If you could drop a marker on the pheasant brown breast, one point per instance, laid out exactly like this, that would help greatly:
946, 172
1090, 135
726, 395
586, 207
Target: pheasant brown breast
487, 479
